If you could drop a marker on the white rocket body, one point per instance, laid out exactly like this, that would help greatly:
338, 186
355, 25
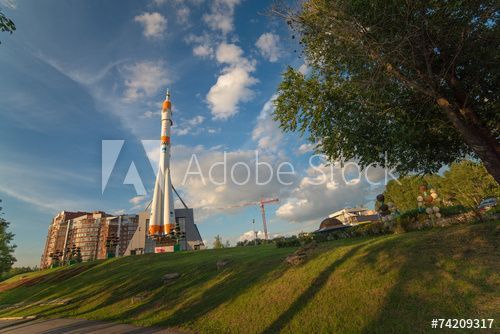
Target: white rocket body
162, 208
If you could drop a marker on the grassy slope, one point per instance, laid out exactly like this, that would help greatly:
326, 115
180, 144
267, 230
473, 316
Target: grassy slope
384, 284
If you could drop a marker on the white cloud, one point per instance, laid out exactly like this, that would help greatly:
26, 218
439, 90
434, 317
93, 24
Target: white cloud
305, 148
229, 54
250, 235
150, 114
154, 24
159, 2
212, 130
231, 88
197, 120
203, 51
183, 13
208, 196
137, 199
266, 133
189, 126
268, 46
323, 190
233, 85
220, 16
144, 79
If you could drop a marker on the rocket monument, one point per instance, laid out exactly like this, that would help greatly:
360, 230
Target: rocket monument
162, 208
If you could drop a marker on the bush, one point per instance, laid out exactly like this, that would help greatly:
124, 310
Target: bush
16, 271
448, 211
377, 228
413, 213
283, 242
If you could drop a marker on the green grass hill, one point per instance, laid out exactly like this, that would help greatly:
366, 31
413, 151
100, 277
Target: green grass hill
385, 284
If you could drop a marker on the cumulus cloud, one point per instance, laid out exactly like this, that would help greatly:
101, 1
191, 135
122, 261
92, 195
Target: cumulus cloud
231, 88
233, 85
154, 24
268, 45
220, 15
202, 50
250, 235
143, 79
324, 190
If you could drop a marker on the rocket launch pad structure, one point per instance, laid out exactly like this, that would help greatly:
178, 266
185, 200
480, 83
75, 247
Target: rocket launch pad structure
162, 208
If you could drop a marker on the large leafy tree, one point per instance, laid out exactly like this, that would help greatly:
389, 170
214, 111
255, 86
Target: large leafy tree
6, 248
418, 80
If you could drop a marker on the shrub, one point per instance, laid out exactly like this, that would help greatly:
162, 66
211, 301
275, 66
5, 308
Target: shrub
448, 211
283, 242
16, 271
413, 213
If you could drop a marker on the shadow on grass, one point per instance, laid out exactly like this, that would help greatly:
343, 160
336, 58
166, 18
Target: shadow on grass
442, 275
315, 286
119, 283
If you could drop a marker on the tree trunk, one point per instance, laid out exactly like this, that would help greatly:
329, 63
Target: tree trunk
484, 145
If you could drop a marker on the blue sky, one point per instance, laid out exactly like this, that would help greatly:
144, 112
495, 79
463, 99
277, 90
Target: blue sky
78, 74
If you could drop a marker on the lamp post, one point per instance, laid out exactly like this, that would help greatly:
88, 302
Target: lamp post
254, 232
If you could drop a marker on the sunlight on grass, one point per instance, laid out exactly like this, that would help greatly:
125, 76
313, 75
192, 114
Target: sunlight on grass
376, 284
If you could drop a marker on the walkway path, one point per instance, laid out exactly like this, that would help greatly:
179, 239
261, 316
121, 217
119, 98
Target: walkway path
74, 326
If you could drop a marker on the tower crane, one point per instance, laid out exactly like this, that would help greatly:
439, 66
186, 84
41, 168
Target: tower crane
262, 203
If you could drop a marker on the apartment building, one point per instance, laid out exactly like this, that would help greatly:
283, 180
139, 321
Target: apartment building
96, 234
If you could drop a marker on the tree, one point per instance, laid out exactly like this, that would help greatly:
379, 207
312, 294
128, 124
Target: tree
6, 248
465, 183
6, 24
417, 80
218, 242
404, 192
